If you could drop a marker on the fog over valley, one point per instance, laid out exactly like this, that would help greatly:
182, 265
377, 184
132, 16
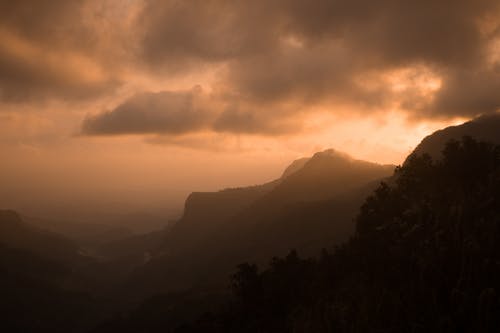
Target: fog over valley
249, 166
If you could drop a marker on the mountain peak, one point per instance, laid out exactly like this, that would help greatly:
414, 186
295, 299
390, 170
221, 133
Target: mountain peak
483, 128
327, 174
295, 166
332, 153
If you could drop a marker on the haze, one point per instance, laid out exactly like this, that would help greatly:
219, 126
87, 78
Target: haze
113, 107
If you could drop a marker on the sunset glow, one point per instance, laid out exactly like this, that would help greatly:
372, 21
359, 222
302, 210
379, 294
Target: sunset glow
98, 97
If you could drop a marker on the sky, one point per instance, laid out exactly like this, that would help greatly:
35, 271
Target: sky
129, 105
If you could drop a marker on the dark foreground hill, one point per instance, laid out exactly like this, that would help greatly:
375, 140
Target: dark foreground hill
37, 280
312, 206
419, 254
425, 258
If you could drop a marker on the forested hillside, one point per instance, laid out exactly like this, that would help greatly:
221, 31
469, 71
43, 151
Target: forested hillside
425, 258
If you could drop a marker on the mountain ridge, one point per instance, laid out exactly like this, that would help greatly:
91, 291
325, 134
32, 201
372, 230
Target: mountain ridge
484, 128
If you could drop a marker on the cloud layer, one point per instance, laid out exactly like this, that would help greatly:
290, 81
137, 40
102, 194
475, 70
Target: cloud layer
160, 113
56, 49
279, 60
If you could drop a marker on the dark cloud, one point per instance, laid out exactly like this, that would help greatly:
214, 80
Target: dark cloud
251, 122
30, 78
394, 32
322, 50
50, 50
160, 113
306, 76
467, 93
178, 33
174, 113
277, 58
43, 20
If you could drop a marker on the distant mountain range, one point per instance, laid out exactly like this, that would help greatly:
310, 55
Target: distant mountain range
16, 234
311, 206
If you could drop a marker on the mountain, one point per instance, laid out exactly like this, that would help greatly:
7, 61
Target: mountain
325, 175
483, 128
208, 208
415, 251
85, 234
38, 281
16, 234
35, 296
310, 207
294, 167
425, 258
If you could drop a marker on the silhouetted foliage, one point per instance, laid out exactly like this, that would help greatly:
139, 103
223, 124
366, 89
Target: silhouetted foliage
425, 257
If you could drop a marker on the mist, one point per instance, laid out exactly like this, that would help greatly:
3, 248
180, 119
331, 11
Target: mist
249, 166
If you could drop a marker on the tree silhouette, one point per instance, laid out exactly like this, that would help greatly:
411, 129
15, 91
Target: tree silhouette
425, 258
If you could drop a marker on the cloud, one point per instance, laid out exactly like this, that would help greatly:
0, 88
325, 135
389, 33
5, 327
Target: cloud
305, 76
177, 34
176, 113
56, 49
322, 51
43, 20
271, 62
167, 113
468, 92
396, 32
251, 122
30, 74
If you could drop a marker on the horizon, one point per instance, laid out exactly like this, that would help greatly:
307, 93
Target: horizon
201, 166
160, 202
132, 105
